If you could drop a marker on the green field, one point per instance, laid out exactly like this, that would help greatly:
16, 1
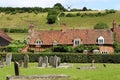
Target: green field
110, 72
18, 36
22, 20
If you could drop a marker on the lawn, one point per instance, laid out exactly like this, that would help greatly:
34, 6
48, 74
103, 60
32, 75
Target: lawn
111, 72
18, 36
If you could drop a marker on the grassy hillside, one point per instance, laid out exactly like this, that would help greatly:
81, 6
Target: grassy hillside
22, 20
18, 36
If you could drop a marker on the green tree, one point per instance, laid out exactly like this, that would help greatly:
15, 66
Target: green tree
52, 16
51, 19
84, 9
116, 44
59, 6
101, 25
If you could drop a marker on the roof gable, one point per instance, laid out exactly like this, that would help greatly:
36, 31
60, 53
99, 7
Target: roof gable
5, 36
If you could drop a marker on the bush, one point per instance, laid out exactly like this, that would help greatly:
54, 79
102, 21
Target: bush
63, 48
14, 48
80, 48
110, 11
62, 14
101, 25
5, 29
13, 30
78, 14
51, 19
70, 15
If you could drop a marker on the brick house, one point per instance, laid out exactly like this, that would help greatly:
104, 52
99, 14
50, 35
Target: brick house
104, 38
5, 40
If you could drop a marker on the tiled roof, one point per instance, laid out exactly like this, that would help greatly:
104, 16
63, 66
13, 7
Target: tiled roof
5, 36
87, 36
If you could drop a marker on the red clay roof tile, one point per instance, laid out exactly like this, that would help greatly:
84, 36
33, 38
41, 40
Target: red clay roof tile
87, 36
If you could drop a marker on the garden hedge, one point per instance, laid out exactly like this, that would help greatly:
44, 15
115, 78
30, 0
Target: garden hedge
71, 57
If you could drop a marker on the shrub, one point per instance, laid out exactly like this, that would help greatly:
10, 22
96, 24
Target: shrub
51, 19
62, 14
116, 44
85, 47
101, 25
14, 48
110, 11
5, 29
70, 15
63, 48
78, 14
13, 30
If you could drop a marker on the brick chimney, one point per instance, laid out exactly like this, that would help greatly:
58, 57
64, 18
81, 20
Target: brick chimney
31, 28
31, 31
64, 28
114, 25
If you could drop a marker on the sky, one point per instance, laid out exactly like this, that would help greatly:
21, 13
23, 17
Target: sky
90, 4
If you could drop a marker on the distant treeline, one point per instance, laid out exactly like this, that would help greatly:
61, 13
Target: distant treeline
11, 10
14, 10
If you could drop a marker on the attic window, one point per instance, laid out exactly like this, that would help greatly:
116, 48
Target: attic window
100, 40
38, 42
55, 42
76, 42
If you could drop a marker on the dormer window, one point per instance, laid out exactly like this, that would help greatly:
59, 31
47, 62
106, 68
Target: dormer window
38, 42
76, 42
55, 43
100, 40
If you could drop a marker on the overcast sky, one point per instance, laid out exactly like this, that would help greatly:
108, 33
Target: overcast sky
92, 4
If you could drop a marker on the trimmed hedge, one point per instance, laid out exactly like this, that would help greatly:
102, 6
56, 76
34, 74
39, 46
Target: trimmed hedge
71, 57
13, 30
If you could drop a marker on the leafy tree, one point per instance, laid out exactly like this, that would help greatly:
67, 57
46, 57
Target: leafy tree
84, 9
116, 44
51, 19
59, 6
52, 16
101, 25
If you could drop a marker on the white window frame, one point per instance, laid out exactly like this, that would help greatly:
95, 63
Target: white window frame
104, 52
100, 40
38, 42
76, 41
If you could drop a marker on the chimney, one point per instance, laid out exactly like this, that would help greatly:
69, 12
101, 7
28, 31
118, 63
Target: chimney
114, 25
64, 28
31, 30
